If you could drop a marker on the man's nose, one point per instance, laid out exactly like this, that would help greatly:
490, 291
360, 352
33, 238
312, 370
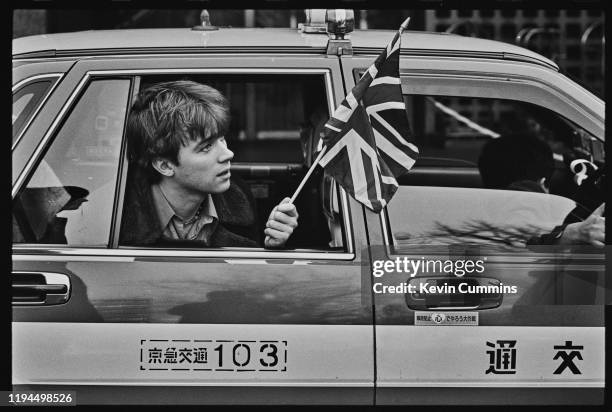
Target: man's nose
226, 155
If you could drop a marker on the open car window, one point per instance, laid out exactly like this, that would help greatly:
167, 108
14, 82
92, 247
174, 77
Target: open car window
275, 122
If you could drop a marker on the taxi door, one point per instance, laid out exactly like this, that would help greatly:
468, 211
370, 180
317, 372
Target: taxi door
542, 341
126, 325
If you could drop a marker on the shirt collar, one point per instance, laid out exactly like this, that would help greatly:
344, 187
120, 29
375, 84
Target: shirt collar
209, 208
165, 211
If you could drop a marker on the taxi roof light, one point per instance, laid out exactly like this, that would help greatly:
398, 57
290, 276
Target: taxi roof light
340, 22
335, 22
205, 22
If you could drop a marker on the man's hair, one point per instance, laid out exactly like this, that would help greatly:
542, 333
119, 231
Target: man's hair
166, 116
515, 157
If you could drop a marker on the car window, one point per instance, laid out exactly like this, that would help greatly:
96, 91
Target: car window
276, 120
25, 101
452, 130
452, 134
69, 197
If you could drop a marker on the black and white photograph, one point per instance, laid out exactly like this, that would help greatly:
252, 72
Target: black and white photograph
306, 206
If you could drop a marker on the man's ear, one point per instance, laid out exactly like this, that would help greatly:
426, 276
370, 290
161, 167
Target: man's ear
164, 166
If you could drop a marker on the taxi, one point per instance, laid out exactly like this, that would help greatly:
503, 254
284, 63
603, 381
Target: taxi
309, 323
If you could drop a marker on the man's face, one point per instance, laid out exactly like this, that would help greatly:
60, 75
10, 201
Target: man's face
204, 166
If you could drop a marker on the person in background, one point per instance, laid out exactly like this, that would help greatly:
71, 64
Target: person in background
524, 162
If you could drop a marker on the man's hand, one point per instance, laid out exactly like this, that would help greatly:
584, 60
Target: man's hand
591, 231
283, 219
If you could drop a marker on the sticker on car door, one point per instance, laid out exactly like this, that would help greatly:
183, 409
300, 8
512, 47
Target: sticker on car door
208, 355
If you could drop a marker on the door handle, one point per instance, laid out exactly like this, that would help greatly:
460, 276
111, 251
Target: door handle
39, 288
449, 295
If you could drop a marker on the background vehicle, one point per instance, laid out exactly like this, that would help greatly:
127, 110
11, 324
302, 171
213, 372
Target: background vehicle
148, 325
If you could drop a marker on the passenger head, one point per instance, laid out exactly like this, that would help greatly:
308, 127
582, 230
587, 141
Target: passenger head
513, 158
166, 116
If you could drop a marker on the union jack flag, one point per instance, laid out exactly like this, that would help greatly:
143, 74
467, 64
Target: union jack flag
367, 149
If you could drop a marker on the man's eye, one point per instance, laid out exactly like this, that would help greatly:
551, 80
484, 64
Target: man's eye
206, 148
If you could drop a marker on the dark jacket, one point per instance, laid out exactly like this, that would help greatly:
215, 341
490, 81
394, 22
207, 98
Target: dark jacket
235, 208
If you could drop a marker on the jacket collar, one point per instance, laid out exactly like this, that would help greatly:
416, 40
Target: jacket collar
140, 223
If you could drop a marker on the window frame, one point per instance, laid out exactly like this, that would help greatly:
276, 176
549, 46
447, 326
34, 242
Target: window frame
55, 80
113, 248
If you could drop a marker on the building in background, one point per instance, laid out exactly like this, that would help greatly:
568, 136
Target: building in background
574, 39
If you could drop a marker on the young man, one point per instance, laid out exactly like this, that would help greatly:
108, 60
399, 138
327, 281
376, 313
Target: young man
180, 189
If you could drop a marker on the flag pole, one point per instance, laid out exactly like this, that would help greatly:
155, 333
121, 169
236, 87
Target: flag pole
312, 167
404, 25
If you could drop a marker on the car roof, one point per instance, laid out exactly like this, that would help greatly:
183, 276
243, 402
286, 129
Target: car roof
258, 39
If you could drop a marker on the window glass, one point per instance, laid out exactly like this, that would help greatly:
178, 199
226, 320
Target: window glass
276, 121
492, 172
452, 130
25, 102
69, 198
450, 215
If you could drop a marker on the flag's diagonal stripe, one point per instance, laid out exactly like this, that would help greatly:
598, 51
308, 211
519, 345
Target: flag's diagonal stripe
389, 180
332, 152
350, 99
373, 71
384, 145
382, 93
385, 80
343, 113
335, 123
394, 132
385, 106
